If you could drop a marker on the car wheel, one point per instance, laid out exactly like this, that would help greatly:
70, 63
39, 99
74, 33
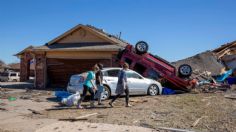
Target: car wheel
153, 90
141, 47
185, 70
106, 93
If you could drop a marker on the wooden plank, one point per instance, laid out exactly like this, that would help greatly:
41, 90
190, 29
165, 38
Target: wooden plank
174, 129
231, 96
78, 118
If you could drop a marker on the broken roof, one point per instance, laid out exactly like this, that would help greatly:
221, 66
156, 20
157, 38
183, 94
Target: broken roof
225, 49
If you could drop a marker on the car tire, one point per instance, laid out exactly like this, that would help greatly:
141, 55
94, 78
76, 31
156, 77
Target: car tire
153, 90
141, 47
185, 70
106, 94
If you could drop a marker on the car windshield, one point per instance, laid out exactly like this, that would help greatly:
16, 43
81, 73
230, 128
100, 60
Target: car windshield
133, 75
112, 73
13, 74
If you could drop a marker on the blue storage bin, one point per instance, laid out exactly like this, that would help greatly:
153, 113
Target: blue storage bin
231, 80
167, 91
62, 94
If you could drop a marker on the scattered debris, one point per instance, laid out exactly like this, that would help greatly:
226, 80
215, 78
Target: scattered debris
73, 119
231, 96
138, 101
2, 104
205, 61
197, 121
26, 97
58, 108
35, 112
226, 53
102, 116
174, 129
78, 118
38, 100
11, 98
88, 115
28, 90
3, 109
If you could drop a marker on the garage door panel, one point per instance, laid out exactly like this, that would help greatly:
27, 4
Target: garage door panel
60, 70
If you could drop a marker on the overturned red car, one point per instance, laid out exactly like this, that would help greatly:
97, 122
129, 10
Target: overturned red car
156, 67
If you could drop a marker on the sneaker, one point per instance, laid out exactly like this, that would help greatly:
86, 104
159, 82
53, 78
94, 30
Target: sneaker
100, 104
128, 105
110, 103
80, 107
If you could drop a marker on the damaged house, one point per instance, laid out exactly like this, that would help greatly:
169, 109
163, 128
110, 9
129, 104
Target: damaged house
73, 52
212, 61
227, 54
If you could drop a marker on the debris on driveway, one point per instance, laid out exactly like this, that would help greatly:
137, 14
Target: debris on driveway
138, 101
174, 129
3, 109
63, 126
197, 121
11, 98
202, 62
230, 96
35, 112
84, 117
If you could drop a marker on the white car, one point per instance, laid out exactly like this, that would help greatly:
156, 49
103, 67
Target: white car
10, 77
138, 85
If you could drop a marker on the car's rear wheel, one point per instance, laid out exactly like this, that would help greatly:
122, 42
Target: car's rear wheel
153, 90
141, 47
185, 70
106, 93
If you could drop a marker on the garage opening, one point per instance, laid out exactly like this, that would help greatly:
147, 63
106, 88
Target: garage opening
60, 70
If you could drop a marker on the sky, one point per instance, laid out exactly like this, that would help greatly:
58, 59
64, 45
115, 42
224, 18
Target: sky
174, 29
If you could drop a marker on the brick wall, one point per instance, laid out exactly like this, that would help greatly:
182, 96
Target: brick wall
25, 66
40, 67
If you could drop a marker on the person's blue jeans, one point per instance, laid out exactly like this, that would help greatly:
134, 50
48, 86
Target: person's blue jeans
99, 92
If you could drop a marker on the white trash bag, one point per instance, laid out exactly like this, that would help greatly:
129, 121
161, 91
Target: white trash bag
71, 100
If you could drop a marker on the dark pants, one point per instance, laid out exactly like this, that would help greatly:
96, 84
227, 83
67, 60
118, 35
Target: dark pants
126, 96
86, 88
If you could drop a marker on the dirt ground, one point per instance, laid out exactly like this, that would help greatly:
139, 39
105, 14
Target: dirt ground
35, 110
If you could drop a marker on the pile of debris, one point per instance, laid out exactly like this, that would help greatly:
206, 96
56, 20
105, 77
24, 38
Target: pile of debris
202, 62
212, 71
227, 54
